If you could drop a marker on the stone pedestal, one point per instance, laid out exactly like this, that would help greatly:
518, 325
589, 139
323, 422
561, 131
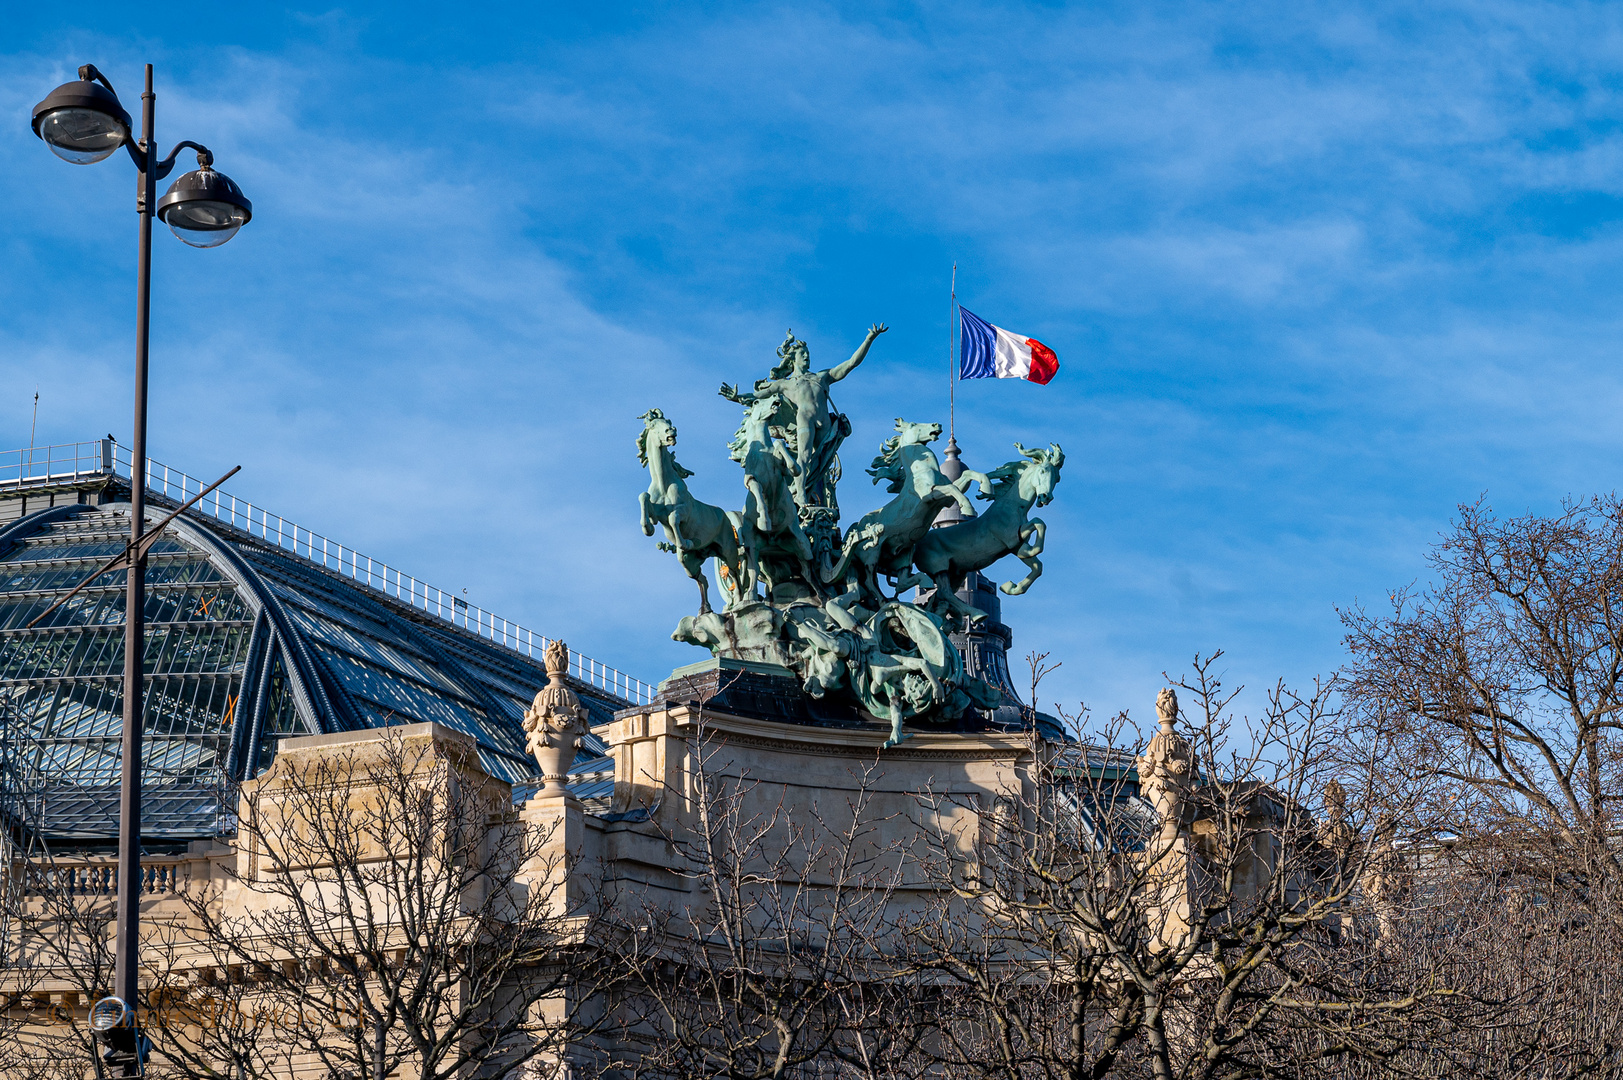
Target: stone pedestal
558, 830
668, 754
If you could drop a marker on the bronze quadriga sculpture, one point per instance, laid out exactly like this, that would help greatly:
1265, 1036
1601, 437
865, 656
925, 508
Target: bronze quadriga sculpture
801, 593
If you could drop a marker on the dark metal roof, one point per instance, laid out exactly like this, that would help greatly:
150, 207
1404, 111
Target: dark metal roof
245, 644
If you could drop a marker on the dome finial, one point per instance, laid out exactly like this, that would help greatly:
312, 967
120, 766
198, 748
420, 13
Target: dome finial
556, 659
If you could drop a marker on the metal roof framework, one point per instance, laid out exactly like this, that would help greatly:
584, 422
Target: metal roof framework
102, 460
245, 644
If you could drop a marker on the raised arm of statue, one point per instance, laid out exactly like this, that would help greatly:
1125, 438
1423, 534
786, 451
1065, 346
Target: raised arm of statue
731, 393
840, 371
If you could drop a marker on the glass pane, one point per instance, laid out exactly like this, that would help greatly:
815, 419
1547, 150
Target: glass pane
405, 702
33, 550
372, 650
63, 682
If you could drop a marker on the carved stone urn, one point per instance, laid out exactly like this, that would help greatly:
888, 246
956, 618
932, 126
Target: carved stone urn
555, 721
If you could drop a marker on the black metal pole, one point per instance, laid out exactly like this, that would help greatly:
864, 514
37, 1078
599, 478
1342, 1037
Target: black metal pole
126, 964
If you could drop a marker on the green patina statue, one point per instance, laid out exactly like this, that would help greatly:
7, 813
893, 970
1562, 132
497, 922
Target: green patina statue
944, 557
810, 426
798, 593
694, 530
882, 541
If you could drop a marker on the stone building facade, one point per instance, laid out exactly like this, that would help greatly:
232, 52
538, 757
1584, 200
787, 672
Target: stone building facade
281, 673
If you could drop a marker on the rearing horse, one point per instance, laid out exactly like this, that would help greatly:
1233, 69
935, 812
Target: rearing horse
771, 519
882, 541
696, 530
946, 556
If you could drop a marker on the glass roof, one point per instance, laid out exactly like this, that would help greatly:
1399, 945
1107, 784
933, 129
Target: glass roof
245, 644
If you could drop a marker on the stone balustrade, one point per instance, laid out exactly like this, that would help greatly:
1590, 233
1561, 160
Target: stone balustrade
97, 877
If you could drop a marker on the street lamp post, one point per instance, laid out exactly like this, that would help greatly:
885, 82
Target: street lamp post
82, 122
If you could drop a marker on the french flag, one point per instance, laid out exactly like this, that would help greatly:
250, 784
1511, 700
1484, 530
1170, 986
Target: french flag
991, 352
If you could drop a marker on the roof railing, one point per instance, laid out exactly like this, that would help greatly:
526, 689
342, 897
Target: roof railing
71, 462
64, 463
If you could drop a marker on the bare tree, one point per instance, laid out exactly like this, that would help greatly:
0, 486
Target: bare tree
1493, 698
1488, 704
390, 912
768, 962
40, 1036
1199, 932
61, 936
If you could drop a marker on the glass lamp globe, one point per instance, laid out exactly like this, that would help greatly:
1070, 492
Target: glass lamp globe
82, 121
82, 136
107, 1014
204, 208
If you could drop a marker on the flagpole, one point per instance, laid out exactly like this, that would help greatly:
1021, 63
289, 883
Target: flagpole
952, 362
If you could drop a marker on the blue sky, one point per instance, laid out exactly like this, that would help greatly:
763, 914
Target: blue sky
1315, 273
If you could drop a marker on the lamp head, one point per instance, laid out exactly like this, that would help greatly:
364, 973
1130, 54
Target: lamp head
82, 121
205, 208
109, 1013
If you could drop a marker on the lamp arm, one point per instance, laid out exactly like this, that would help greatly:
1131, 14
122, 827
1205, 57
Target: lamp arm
87, 72
205, 158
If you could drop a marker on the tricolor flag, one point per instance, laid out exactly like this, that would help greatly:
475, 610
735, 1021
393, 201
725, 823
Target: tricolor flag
991, 352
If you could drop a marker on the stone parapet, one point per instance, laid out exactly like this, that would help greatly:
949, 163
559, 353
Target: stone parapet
667, 754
